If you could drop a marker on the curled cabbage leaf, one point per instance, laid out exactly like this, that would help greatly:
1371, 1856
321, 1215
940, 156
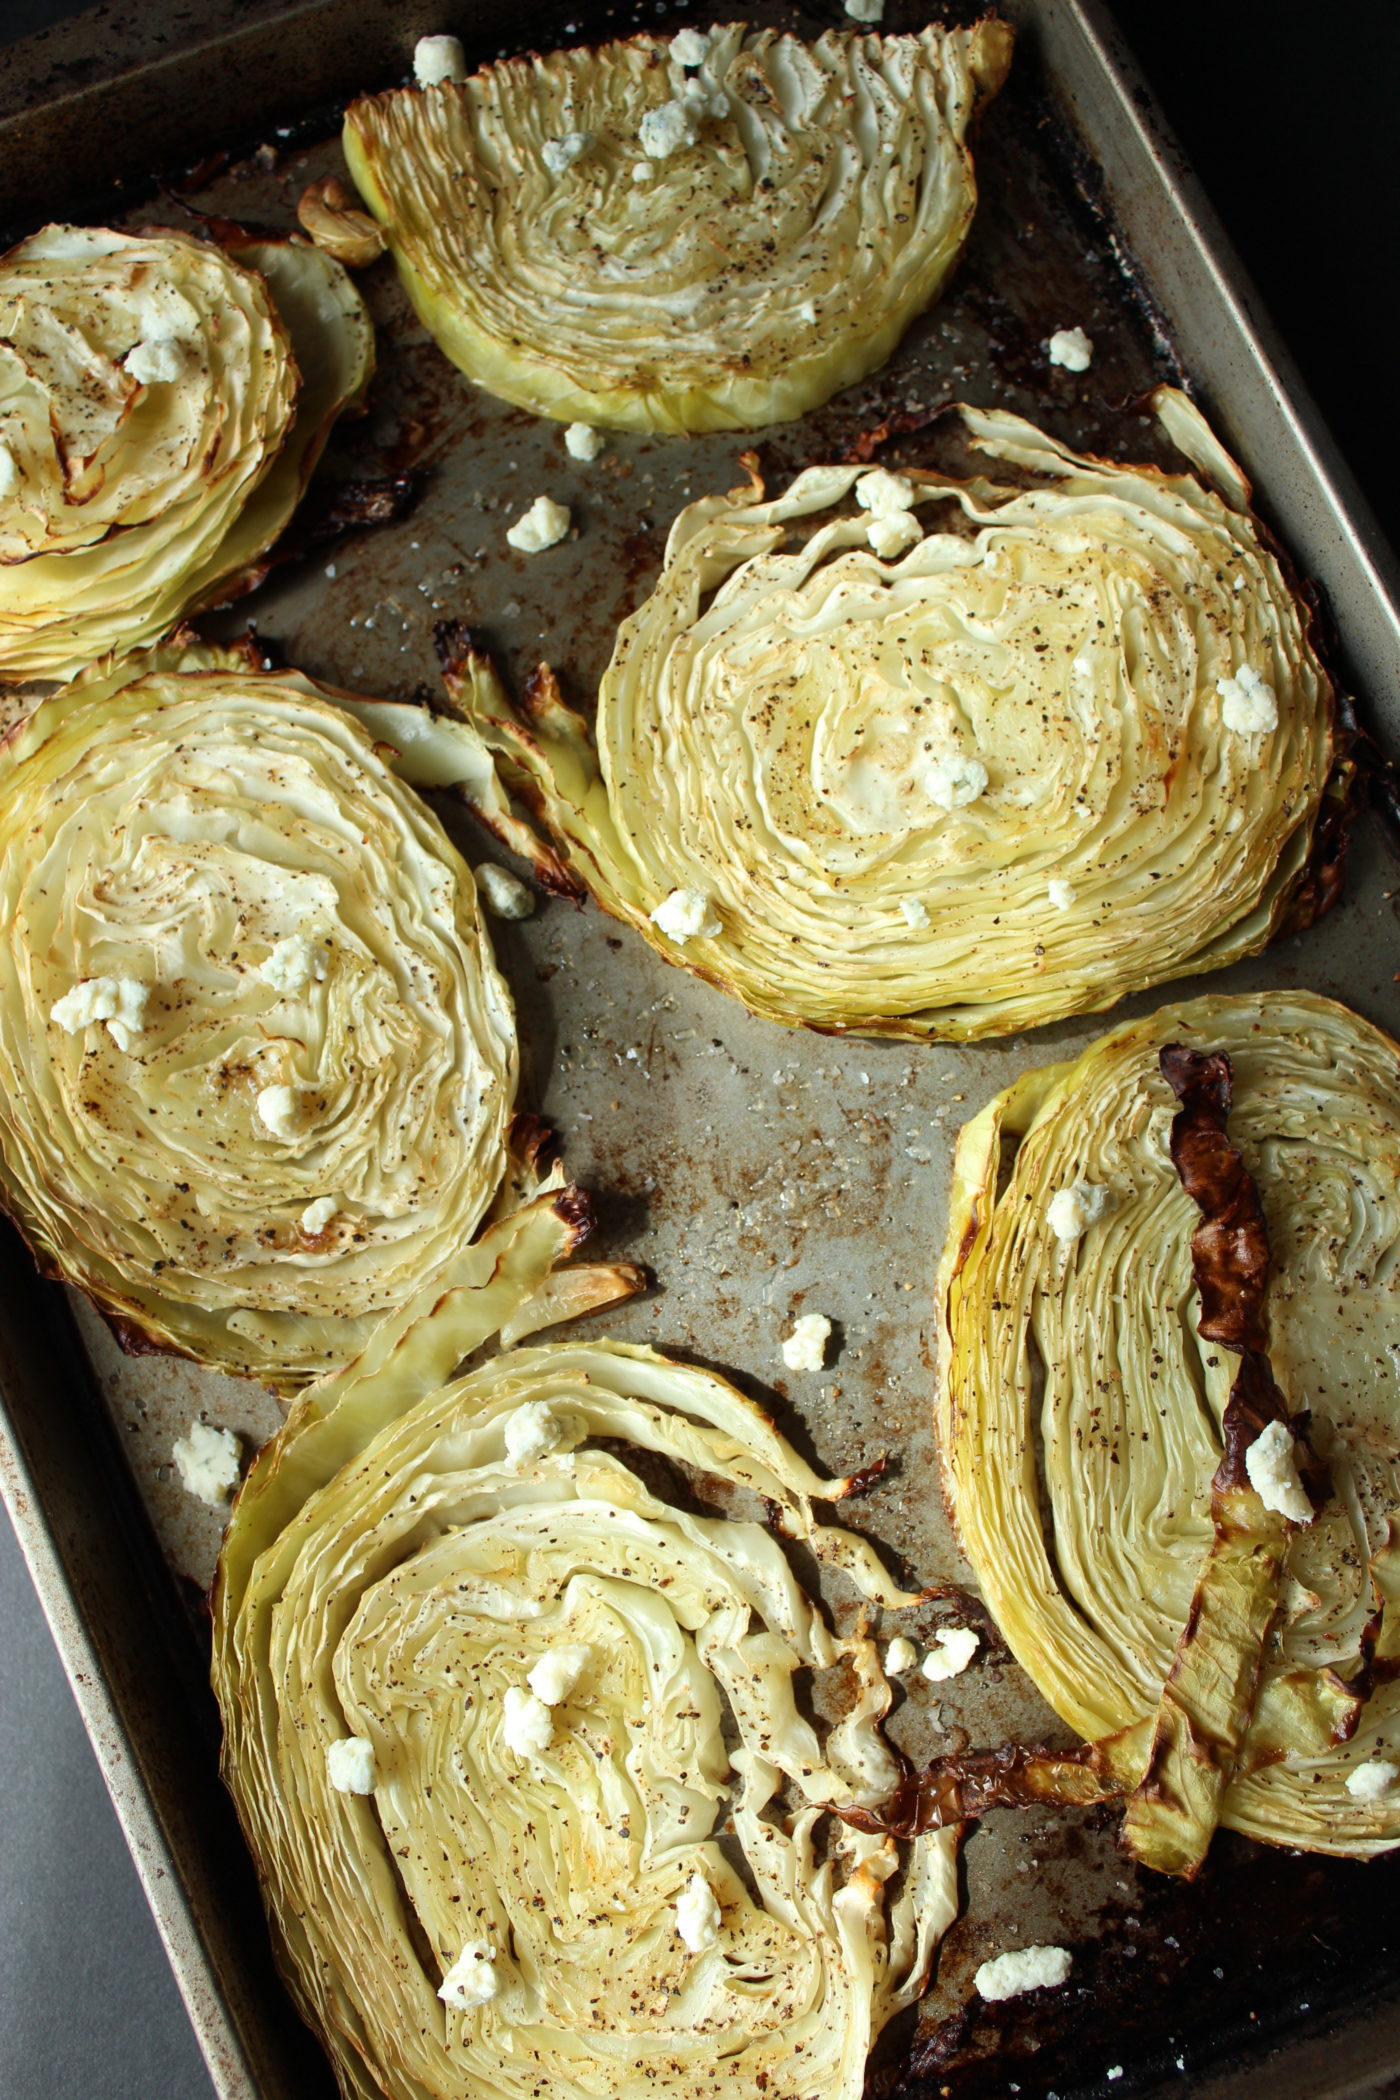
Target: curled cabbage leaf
973, 787
815, 200
162, 404
1226, 1664
257, 1064
650, 1877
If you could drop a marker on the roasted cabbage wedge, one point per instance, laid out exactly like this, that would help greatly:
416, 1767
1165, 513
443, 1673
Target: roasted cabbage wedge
257, 1065
162, 404
1004, 776
589, 1851
1230, 1657
611, 236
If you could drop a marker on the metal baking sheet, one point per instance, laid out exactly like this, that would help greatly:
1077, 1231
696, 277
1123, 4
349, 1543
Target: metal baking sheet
759, 1173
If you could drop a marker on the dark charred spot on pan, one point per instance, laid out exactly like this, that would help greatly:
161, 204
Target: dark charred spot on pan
1230, 1247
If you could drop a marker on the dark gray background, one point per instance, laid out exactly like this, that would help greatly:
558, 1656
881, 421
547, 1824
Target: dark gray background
1288, 113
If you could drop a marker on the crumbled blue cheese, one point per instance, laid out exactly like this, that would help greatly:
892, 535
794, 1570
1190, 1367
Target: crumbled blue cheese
581, 440
504, 895
915, 913
557, 1673
293, 964
704, 97
952, 1651
472, 1979
560, 154
665, 130
282, 1111
883, 493
805, 1347
119, 1001
317, 1216
207, 1461
893, 532
528, 1724
1271, 1462
1060, 892
687, 915
438, 58
543, 525
1071, 348
1247, 702
532, 1432
866, 10
690, 47
901, 1655
350, 1765
643, 171
1023, 1969
9, 473
955, 781
155, 362
1372, 1781
698, 1915
1074, 1209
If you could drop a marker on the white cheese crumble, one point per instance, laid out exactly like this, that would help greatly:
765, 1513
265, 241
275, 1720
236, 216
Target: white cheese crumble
1272, 1465
293, 964
543, 525
528, 1726
582, 441
866, 10
954, 782
704, 97
556, 1674
954, 1649
282, 1110
893, 532
1071, 348
504, 895
664, 131
532, 1432
9, 473
643, 171
119, 1001
1060, 892
1247, 702
1074, 1209
687, 915
350, 1765
915, 913
1023, 1969
472, 1979
1373, 1780
698, 1915
690, 47
207, 1461
901, 1655
317, 1216
883, 493
560, 154
805, 1347
438, 58
156, 362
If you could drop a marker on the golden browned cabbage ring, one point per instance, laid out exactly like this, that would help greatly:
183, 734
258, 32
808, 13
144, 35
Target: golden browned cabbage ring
1070, 741
588, 1852
256, 1062
162, 404
1232, 1662
613, 236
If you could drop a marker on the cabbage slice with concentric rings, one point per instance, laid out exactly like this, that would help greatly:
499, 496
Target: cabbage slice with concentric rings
257, 1064
618, 237
1232, 1658
162, 404
590, 1850
1061, 741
